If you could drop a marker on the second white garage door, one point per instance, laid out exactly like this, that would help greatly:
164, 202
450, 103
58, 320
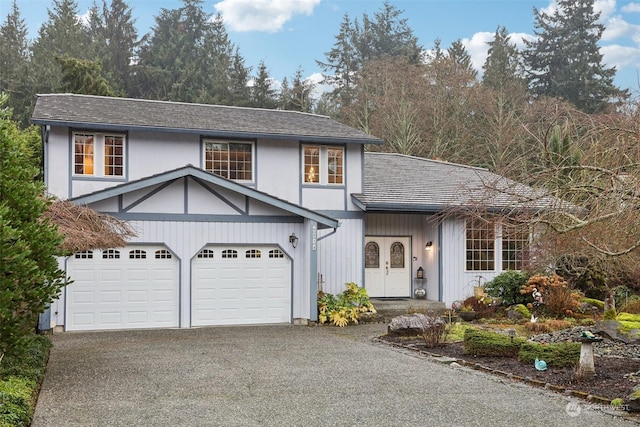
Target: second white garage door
237, 285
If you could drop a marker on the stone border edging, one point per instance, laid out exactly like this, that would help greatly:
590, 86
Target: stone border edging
508, 375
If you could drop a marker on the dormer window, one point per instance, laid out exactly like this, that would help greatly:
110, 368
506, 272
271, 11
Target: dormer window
229, 159
323, 165
98, 154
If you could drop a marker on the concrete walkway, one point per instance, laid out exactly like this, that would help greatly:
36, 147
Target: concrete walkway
280, 376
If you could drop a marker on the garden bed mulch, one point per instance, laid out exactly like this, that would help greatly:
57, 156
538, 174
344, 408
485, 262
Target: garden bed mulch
615, 376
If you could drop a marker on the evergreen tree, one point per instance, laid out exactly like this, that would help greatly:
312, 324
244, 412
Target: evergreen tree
114, 39
387, 35
29, 274
298, 96
83, 76
188, 57
62, 35
565, 60
262, 93
461, 60
502, 68
15, 65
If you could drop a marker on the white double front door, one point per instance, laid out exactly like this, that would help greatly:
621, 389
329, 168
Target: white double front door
387, 262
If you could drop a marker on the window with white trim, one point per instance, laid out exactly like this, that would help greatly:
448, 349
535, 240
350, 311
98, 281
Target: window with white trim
480, 243
229, 159
323, 165
98, 154
515, 246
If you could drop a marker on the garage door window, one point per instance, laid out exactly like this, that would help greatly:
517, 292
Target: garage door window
229, 253
253, 253
84, 255
276, 253
111, 254
163, 254
137, 254
205, 253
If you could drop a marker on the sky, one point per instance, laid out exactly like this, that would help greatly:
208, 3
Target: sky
293, 34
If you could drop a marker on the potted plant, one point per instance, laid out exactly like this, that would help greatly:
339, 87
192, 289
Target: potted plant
467, 313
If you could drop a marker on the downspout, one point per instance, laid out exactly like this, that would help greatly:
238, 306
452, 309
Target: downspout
440, 263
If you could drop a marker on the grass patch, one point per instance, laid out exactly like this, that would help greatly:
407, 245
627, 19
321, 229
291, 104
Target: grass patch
628, 323
20, 378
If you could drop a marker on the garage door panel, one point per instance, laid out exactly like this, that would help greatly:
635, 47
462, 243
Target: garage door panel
237, 290
122, 293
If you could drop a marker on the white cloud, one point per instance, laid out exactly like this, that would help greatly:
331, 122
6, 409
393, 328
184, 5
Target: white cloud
477, 47
262, 15
631, 7
621, 56
617, 27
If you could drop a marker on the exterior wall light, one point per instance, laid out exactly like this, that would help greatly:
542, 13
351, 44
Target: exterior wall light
293, 239
428, 246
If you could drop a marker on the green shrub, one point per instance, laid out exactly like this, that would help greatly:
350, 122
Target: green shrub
20, 375
522, 310
16, 395
346, 308
31, 362
594, 302
557, 355
507, 285
485, 343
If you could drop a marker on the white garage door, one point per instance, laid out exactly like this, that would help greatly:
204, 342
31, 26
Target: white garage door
125, 288
236, 285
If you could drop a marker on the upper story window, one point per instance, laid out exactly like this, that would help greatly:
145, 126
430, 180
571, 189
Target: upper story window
232, 160
323, 165
480, 245
97, 154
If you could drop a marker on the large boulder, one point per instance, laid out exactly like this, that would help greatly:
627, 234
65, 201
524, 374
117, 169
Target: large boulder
632, 402
612, 329
408, 325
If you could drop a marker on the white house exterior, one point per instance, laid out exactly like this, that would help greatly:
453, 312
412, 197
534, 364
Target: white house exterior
242, 214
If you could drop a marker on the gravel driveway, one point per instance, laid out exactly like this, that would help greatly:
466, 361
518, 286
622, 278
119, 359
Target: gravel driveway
280, 376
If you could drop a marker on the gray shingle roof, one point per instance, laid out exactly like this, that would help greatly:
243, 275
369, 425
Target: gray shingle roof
86, 111
396, 182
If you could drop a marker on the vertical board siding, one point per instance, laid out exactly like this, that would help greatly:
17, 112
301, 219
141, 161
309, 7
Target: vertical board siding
340, 256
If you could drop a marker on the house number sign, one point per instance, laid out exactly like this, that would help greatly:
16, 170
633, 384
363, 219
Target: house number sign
314, 237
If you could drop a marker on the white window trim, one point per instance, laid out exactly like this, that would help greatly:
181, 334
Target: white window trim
324, 165
98, 154
230, 141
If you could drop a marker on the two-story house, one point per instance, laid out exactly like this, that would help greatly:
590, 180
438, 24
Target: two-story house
243, 214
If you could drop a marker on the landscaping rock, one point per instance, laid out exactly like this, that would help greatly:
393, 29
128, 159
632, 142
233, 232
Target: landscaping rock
633, 400
411, 324
606, 347
610, 328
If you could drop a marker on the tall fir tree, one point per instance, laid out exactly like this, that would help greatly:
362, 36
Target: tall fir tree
63, 34
114, 38
503, 67
15, 65
565, 60
386, 35
263, 95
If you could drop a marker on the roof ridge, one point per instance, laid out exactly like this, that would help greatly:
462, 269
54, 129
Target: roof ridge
443, 162
159, 101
